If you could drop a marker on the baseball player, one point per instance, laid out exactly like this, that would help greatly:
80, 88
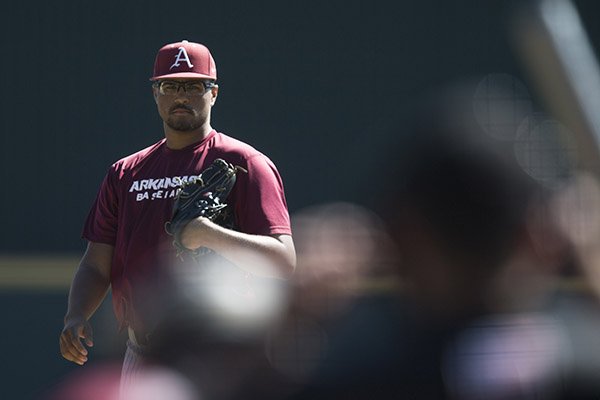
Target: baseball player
127, 242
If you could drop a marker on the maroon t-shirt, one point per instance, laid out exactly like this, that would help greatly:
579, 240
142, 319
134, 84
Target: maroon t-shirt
136, 199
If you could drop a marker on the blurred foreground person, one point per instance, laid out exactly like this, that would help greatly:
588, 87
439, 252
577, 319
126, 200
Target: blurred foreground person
465, 218
480, 259
483, 258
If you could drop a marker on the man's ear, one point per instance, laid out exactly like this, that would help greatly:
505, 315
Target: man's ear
215, 93
155, 93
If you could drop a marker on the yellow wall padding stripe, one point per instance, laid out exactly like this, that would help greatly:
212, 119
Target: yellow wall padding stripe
48, 272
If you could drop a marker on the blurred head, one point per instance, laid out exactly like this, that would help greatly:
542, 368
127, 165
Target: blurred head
340, 247
459, 206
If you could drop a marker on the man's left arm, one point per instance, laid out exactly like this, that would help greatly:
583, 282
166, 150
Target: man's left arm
248, 251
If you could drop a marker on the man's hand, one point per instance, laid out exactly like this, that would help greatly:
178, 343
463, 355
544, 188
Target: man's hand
71, 346
193, 234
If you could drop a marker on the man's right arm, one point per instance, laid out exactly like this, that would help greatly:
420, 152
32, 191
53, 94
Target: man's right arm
88, 289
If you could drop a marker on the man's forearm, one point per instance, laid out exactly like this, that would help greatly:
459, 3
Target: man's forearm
250, 252
87, 292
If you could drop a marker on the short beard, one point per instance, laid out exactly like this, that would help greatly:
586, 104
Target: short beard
183, 125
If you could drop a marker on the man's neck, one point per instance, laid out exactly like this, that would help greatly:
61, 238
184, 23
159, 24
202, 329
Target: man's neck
178, 140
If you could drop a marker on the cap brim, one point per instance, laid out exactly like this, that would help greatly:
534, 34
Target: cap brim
191, 75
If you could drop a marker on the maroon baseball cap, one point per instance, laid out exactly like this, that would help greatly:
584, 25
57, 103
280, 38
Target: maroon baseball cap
184, 60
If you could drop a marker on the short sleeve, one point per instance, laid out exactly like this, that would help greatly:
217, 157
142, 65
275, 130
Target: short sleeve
261, 205
102, 221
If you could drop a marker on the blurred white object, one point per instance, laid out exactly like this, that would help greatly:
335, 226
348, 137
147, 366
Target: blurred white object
160, 384
517, 356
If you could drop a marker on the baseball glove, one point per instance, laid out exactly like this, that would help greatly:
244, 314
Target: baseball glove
203, 195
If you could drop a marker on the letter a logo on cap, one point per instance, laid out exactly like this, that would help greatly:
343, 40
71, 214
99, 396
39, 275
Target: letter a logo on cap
184, 60
181, 56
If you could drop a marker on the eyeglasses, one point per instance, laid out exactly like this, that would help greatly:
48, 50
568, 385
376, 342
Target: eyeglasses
191, 88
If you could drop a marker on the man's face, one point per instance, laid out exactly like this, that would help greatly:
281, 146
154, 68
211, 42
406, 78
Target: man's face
185, 104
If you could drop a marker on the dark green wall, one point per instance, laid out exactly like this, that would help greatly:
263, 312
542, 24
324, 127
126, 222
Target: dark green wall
313, 84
